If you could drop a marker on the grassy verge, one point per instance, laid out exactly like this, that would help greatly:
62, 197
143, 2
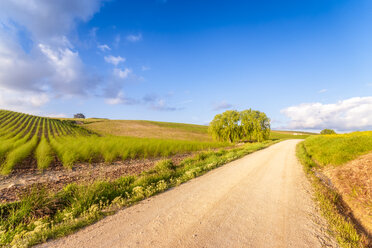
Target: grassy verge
338, 149
41, 215
331, 205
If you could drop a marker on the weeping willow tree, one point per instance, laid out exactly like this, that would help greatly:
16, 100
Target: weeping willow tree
226, 126
232, 126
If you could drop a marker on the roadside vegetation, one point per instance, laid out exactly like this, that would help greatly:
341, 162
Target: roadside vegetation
341, 183
41, 215
338, 149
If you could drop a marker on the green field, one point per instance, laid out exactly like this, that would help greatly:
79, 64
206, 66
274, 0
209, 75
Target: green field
289, 135
148, 129
338, 149
24, 138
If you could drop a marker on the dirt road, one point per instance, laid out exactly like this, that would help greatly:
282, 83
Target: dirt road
261, 200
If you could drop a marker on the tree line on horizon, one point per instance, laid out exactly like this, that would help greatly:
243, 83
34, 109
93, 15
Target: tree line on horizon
247, 125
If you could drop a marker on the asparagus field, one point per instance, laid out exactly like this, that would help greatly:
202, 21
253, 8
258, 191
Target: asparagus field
25, 138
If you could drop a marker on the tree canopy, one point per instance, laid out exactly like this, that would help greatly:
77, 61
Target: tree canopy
328, 131
232, 126
79, 116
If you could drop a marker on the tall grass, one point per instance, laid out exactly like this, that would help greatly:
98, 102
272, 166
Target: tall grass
338, 149
72, 149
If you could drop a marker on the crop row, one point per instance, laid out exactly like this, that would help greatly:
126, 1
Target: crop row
24, 138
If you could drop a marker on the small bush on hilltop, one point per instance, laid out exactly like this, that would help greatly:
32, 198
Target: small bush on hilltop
328, 131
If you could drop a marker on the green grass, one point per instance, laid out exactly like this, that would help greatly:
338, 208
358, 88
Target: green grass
71, 150
289, 135
338, 149
41, 215
181, 126
149, 129
330, 203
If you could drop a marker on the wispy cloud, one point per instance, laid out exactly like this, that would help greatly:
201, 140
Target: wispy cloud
346, 115
222, 106
158, 103
104, 48
114, 60
134, 37
122, 73
145, 68
322, 91
120, 98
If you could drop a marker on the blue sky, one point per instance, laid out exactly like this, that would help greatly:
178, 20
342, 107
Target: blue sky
305, 63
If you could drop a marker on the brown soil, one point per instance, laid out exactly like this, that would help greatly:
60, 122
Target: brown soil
354, 182
26, 176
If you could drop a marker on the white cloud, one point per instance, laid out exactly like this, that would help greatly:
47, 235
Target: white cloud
222, 106
158, 103
122, 73
134, 37
346, 115
45, 18
114, 60
104, 47
120, 98
68, 72
50, 67
22, 101
322, 91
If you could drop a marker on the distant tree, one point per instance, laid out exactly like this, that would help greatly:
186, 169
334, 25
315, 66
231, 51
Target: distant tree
79, 116
233, 126
328, 131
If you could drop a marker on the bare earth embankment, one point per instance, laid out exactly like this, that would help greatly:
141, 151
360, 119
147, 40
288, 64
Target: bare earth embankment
261, 200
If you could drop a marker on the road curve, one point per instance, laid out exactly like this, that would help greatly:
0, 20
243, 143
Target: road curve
261, 200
